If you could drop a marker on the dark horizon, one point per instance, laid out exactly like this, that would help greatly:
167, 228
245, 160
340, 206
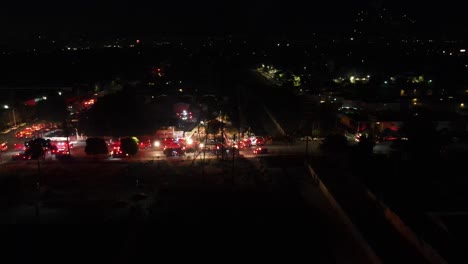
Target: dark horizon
86, 18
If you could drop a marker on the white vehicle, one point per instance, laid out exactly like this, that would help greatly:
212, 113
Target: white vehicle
253, 141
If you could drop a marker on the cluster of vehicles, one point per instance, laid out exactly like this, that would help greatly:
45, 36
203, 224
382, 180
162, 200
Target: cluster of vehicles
171, 147
254, 141
57, 149
30, 132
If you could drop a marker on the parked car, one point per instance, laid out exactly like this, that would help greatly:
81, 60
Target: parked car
174, 152
260, 141
145, 144
3, 146
61, 154
21, 156
19, 146
260, 150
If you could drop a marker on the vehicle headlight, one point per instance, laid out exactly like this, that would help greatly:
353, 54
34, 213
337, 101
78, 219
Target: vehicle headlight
157, 143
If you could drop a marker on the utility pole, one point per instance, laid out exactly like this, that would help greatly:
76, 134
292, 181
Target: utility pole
14, 117
222, 135
233, 156
66, 130
204, 150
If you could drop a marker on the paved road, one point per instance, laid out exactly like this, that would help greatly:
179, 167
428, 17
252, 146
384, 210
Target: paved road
178, 200
350, 194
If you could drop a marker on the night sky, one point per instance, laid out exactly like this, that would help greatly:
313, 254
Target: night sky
23, 18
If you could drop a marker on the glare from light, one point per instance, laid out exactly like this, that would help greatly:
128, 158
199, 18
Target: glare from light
59, 93
6, 106
44, 97
202, 145
157, 143
189, 141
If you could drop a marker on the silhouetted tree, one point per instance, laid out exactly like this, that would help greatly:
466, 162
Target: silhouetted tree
213, 127
129, 145
365, 145
36, 148
36, 151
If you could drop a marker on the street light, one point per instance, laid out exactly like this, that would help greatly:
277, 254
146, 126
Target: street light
13, 113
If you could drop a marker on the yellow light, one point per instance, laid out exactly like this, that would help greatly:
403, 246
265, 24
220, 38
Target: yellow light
462, 105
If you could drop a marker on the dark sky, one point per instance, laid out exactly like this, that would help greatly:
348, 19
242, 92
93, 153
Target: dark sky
22, 18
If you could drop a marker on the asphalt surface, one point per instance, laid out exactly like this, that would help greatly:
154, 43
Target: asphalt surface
146, 206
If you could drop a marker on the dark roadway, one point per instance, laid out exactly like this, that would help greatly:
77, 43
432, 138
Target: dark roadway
182, 211
350, 194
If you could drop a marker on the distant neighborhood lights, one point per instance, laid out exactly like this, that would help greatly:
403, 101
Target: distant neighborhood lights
463, 50
462, 105
44, 97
